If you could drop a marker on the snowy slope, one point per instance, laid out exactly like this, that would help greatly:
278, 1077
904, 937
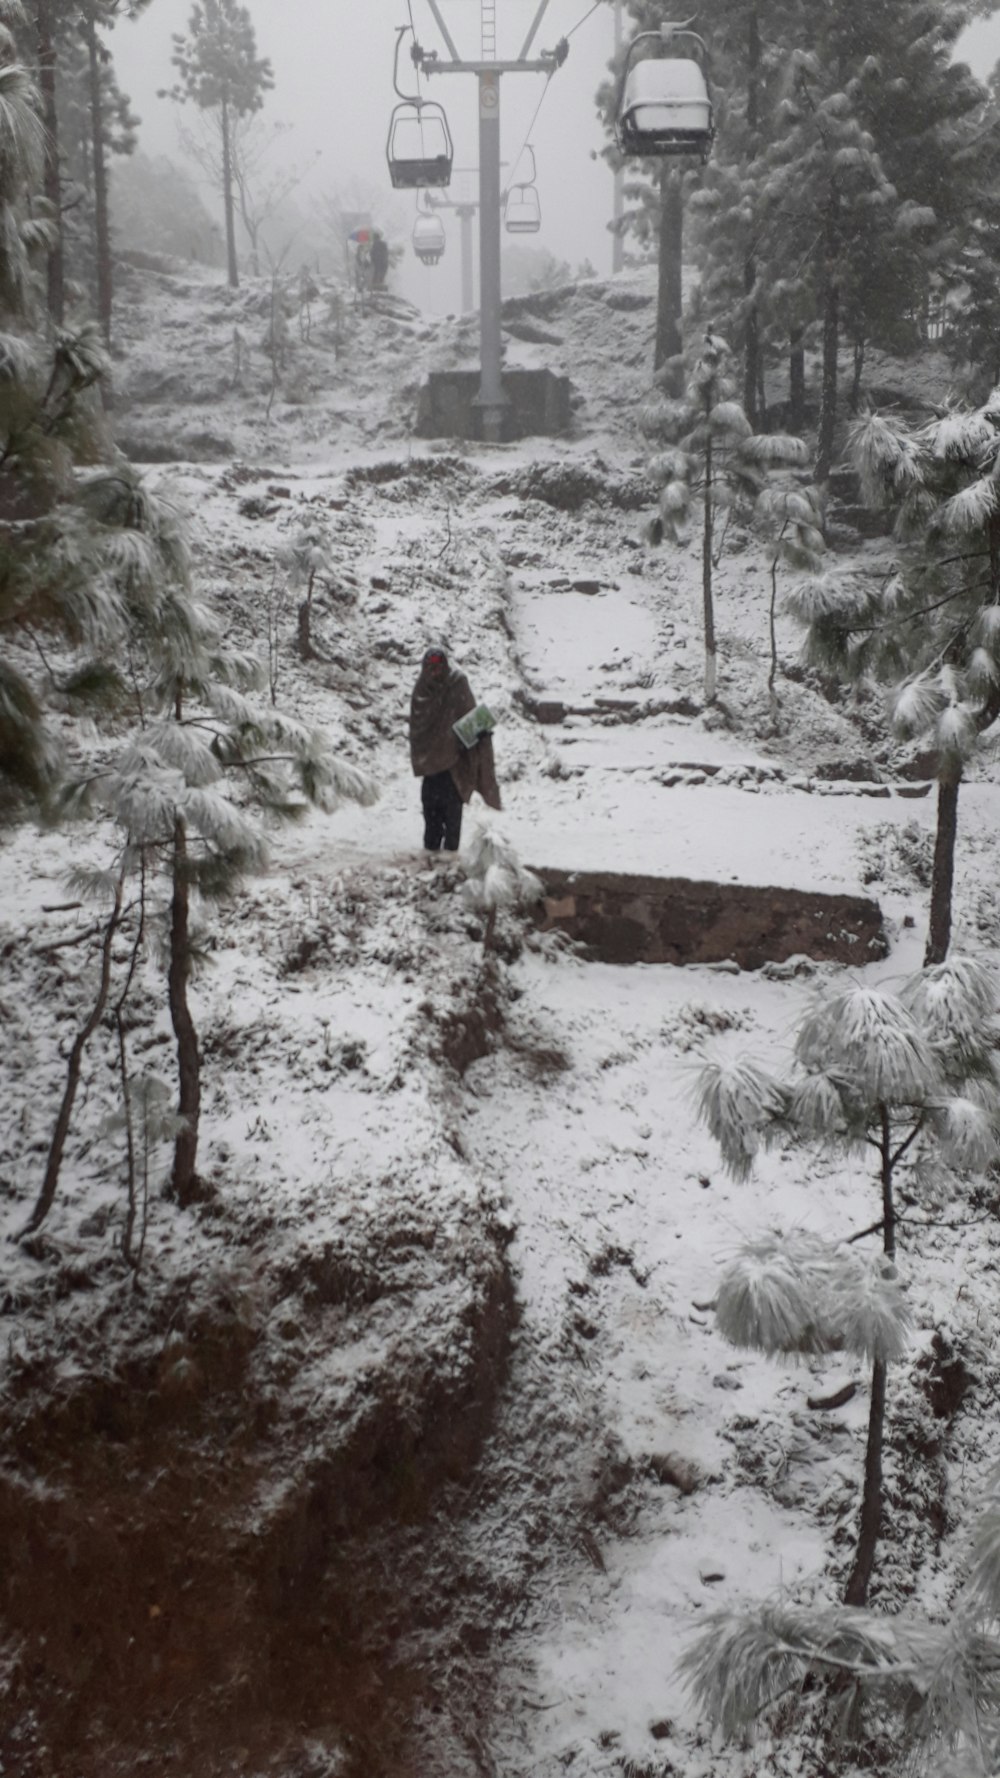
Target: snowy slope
334, 1122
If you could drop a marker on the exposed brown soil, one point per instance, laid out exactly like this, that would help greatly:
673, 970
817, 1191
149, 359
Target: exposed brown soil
188, 1581
634, 919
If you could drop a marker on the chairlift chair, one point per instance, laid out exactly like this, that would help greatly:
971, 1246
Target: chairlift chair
522, 211
664, 107
419, 146
428, 238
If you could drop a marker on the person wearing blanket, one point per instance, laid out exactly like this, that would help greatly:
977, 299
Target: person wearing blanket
452, 772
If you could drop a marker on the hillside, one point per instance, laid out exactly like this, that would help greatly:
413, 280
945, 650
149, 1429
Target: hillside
412, 1448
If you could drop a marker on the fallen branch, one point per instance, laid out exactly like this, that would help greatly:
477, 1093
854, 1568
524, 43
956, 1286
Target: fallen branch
836, 1400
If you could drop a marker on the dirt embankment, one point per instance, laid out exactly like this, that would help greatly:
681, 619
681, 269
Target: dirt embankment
203, 1473
181, 1528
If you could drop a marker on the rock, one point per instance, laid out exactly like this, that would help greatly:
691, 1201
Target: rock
799, 965
725, 1380
680, 1472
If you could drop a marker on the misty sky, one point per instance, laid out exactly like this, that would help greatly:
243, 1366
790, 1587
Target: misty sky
332, 61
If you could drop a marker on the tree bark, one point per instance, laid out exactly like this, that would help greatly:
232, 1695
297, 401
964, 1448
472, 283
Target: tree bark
183, 1179
55, 268
751, 336
57, 1146
797, 380
670, 302
706, 578
859, 1580
227, 199
102, 226
831, 339
856, 1591
943, 869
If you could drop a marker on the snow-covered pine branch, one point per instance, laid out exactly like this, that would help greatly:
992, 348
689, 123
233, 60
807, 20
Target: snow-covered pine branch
797, 1294
872, 1038
743, 1108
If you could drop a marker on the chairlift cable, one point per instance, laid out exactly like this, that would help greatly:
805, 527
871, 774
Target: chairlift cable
585, 17
520, 153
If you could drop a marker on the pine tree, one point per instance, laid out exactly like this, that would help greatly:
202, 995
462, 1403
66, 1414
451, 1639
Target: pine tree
714, 461
930, 629
913, 1076
222, 74
930, 1685
95, 122
58, 589
201, 767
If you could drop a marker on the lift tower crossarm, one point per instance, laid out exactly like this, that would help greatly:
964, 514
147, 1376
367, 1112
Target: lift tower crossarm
536, 21
547, 63
442, 27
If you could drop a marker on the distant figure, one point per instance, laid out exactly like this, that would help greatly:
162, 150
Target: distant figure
362, 270
380, 259
451, 773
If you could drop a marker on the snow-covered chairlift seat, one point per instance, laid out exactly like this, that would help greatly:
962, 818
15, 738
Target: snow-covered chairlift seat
428, 239
419, 146
665, 109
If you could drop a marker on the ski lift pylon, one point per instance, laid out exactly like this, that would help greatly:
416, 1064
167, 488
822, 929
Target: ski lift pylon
664, 107
428, 238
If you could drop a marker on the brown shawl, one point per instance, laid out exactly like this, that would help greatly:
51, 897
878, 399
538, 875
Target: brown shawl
437, 702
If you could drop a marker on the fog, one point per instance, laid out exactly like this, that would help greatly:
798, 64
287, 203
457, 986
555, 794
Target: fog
333, 84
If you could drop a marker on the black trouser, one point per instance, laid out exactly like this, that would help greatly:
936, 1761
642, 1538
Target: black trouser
442, 812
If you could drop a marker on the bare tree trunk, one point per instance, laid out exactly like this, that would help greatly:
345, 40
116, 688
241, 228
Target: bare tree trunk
306, 649
227, 200
57, 1146
55, 268
183, 1180
859, 371
751, 348
859, 1580
773, 673
943, 869
856, 1591
797, 380
706, 579
670, 300
751, 337
102, 227
831, 340
119, 1011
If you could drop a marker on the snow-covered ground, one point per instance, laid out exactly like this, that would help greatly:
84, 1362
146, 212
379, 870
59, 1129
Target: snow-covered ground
325, 1106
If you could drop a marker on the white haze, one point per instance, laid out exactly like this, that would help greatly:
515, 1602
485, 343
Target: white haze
333, 83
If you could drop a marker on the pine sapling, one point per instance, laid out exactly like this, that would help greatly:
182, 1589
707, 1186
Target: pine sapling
712, 463
495, 879
912, 1077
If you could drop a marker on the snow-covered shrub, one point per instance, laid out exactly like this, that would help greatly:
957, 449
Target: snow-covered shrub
495, 878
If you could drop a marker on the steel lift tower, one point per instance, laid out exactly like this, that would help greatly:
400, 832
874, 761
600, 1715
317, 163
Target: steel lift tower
488, 71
